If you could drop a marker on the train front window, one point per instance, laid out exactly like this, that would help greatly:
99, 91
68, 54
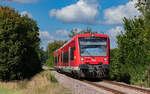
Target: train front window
93, 46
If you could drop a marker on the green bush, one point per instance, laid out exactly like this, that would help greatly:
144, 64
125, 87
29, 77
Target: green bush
130, 61
8, 91
19, 42
51, 77
50, 62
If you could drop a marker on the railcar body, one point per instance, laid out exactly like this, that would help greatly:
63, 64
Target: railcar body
86, 55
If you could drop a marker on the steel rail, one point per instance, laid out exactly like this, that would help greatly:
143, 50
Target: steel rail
128, 86
103, 87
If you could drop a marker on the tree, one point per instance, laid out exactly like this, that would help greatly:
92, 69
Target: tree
76, 31
144, 7
56, 44
114, 73
19, 42
133, 53
43, 56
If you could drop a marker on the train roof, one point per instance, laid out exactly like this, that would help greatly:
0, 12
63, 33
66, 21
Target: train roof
90, 34
83, 35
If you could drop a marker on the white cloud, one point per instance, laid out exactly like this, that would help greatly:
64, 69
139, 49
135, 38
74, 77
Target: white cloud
24, 13
115, 15
45, 38
113, 34
115, 31
83, 12
61, 32
22, 1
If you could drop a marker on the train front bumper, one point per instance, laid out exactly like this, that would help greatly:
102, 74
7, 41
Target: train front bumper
94, 71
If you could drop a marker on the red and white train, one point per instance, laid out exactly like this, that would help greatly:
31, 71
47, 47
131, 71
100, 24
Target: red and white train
86, 55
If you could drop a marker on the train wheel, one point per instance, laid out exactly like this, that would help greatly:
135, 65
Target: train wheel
79, 77
72, 74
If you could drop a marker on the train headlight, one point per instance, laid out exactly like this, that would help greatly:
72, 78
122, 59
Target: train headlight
105, 59
81, 59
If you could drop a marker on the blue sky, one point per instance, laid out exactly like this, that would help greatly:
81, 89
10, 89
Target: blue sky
56, 18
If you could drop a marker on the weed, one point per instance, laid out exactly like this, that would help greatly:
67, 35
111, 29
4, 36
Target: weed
51, 78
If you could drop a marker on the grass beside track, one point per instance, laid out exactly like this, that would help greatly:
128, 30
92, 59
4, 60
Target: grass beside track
42, 83
8, 91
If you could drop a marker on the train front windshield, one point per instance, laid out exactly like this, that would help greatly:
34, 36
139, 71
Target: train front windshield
93, 46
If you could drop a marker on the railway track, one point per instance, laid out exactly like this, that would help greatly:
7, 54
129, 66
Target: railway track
145, 91
103, 87
107, 86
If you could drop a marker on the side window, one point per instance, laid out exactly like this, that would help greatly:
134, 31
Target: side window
65, 57
55, 59
74, 46
62, 57
72, 53
58, 57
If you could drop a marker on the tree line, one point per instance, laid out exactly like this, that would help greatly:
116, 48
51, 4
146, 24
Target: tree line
131, 60
19, 45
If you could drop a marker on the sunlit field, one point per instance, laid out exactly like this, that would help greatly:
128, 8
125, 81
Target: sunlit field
43, 83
